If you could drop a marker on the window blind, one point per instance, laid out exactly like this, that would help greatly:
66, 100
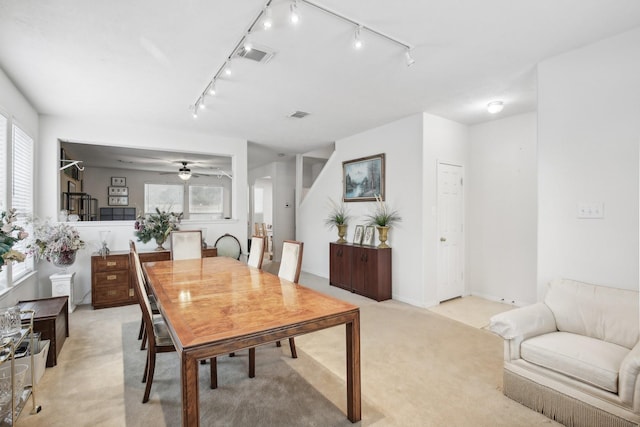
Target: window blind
22, 190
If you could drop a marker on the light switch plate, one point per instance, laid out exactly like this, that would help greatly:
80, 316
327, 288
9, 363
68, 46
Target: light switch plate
591, 210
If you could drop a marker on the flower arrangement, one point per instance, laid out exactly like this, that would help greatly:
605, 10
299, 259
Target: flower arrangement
338, 214
156, 226
10, 233
382, 215
56, 242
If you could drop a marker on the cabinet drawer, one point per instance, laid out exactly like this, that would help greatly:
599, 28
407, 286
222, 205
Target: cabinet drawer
119, 262
111, 278
108, 295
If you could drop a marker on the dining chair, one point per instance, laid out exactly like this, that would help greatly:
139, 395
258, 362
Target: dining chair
186, 244
142, 333
256, 254
290, 265
228, 246
158, 336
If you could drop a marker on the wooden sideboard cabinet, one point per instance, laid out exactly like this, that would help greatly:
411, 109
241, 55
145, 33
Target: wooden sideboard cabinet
365, 270
111, 282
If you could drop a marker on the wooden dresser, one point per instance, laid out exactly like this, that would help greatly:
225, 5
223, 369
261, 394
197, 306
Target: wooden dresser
111, 283
364, 270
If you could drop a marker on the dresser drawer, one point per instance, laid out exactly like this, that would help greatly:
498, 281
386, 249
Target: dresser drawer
116, 262
110, 294
111, 278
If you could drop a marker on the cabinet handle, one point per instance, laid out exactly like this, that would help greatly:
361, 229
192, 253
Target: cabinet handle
112, 293
131, 292
112, 277
111, 263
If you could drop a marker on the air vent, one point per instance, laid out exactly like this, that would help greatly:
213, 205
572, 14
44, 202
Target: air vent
257, 53
298, 114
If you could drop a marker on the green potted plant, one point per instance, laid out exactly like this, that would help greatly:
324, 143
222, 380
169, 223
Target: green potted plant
157, 226
383, 217
338, 217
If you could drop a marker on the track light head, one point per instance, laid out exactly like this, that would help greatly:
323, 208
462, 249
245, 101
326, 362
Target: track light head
357, 41
409, 58
267, 23
294, 16
212, 88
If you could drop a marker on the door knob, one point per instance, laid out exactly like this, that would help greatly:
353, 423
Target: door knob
443, 239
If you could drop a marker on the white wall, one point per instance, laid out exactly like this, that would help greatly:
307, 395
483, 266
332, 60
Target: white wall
401, 141
589, 126
443, 141
18, 108
502, 210
134, 136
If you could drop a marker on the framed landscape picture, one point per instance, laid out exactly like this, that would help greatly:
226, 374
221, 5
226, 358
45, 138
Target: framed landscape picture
363, 179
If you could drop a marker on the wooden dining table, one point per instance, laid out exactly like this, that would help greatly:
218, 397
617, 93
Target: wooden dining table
216, 306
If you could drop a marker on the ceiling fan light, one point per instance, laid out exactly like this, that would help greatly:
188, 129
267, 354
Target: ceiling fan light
184, 174
495, 107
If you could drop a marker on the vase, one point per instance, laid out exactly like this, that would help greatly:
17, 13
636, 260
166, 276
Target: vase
64, 259
160, 242
382, 236
342, 231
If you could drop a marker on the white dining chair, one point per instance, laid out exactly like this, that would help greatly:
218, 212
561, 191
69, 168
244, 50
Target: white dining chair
290, 265
186, 244
256, 255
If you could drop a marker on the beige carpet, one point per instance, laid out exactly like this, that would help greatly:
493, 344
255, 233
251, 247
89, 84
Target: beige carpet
418, 369
471, 310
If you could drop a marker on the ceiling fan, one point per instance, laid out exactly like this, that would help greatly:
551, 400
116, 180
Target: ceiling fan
184, 173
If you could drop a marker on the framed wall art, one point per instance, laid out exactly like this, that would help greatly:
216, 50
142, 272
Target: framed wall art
369, 235
118, 181
118, 191
357, 237
118, 200
363, 179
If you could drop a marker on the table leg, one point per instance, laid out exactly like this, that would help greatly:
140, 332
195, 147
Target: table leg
353, 370
190, 399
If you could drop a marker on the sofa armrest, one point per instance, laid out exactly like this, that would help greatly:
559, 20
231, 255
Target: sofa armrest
628, 384
517, 325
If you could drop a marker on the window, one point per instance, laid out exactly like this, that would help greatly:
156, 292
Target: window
22, 191
165, 197
205, 202
3, 182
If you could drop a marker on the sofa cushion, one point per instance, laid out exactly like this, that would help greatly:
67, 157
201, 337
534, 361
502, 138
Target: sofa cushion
608, 314
589, 360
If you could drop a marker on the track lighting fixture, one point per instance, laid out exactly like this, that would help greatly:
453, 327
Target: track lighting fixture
357, 41
268, 19
265, 17
293, 9
409, 58
495, 107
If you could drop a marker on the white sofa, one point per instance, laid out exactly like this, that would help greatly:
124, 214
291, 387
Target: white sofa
575, 357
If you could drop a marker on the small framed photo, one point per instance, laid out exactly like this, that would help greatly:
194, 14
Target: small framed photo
369, 235
118, 181
118, 191
118, 200
357, 237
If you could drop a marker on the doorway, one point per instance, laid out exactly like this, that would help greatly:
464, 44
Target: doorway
450, 231
262, 212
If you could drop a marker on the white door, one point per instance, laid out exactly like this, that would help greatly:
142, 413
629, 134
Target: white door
450, 232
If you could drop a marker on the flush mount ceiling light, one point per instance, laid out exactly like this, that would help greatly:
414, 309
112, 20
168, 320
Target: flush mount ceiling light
184, 173
495, 107
265, 18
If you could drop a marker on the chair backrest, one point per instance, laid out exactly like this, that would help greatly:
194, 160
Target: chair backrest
228, 246
256, 255
291, 261
186, 244
140, 289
